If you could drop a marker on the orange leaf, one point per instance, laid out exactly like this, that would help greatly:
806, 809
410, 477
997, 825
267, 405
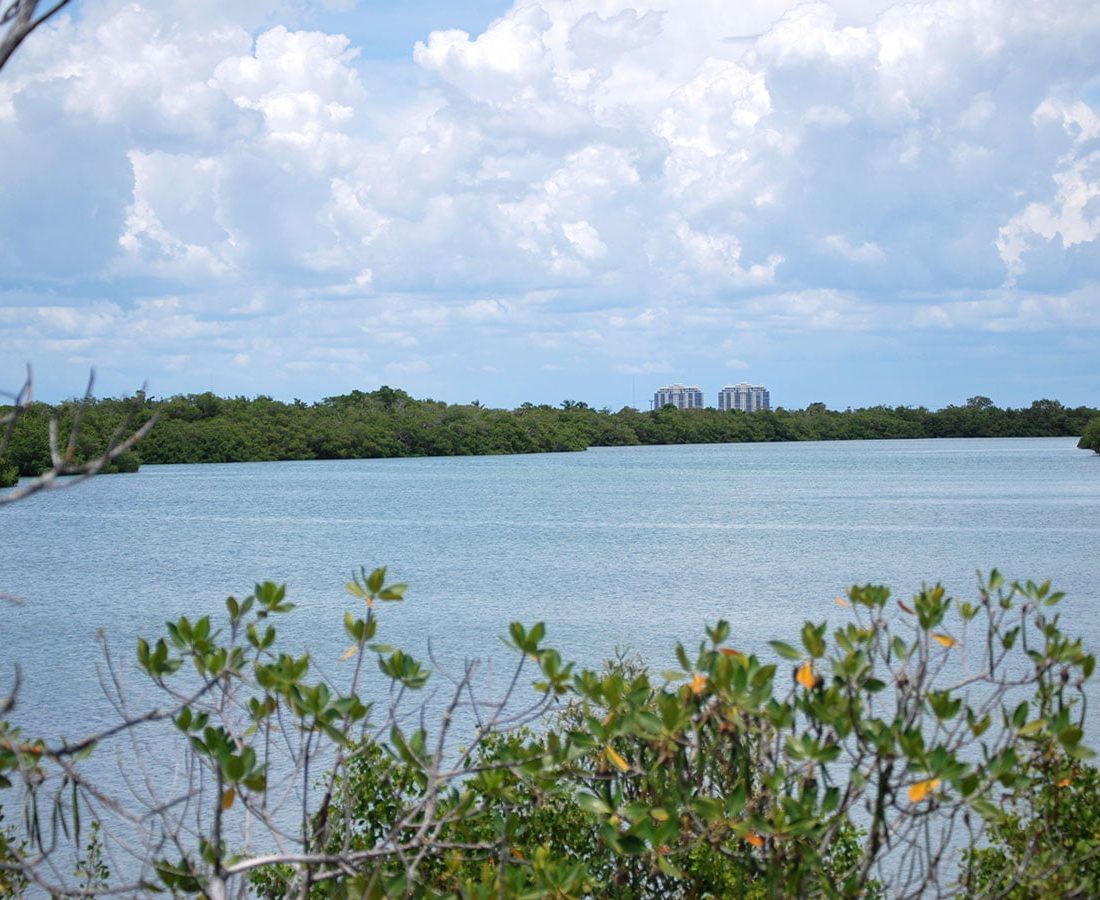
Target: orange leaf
946, 640
805, 676
1063, 783
753, 838
922, 789
350, 652
698, 683
840, 601
729, 651
228, 797
621, 763
905, 608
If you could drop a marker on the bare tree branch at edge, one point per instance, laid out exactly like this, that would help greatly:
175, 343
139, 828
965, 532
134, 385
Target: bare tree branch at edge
61, 457
21, 19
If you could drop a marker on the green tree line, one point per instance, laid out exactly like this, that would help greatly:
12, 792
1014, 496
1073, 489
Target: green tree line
387, 422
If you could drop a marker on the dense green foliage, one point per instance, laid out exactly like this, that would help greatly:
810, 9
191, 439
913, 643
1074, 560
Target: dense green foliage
12, 882
560, 838
1049, 843
864, 765
1090, 438
389, 423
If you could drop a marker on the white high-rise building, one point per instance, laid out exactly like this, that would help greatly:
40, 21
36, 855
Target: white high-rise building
746, 397
679, 395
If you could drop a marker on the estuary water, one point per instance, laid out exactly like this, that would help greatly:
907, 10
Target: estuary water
626, 547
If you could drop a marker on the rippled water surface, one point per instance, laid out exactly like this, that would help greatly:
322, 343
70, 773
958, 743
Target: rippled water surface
612, 547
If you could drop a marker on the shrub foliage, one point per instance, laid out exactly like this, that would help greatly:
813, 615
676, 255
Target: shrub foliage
913, 747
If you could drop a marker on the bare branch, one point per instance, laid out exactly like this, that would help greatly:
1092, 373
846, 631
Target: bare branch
62, 465
7, 704
21, 20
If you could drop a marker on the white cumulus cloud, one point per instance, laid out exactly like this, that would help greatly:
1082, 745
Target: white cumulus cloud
657, 175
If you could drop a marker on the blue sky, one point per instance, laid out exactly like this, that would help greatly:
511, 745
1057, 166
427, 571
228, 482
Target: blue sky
857, 202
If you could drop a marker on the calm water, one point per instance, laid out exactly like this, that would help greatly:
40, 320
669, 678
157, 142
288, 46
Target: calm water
612, 547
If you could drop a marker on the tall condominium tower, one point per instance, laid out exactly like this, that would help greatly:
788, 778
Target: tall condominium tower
746, 397
678, 395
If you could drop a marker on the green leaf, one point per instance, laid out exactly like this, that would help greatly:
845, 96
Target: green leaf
669, 868
593, 804
784, 650
707, 808
813, 640
631, 845
735, 801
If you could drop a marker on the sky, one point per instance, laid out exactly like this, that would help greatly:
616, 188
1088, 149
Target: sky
857, 202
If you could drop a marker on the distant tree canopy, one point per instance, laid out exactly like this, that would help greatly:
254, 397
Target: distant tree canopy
387, 422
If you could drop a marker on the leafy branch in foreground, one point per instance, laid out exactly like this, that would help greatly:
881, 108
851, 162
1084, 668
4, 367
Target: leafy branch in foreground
881, 757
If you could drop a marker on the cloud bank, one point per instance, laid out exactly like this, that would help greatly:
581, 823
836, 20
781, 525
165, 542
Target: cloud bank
858, 202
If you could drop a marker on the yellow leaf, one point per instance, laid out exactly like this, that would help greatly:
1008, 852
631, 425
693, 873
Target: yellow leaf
350, 652
228, 797
729, 651
840, 601
753, 838
621, 763
946, 640
698, 683
922, 789
805, 676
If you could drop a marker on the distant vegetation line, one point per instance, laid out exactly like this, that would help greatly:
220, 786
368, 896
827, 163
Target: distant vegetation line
204, 428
